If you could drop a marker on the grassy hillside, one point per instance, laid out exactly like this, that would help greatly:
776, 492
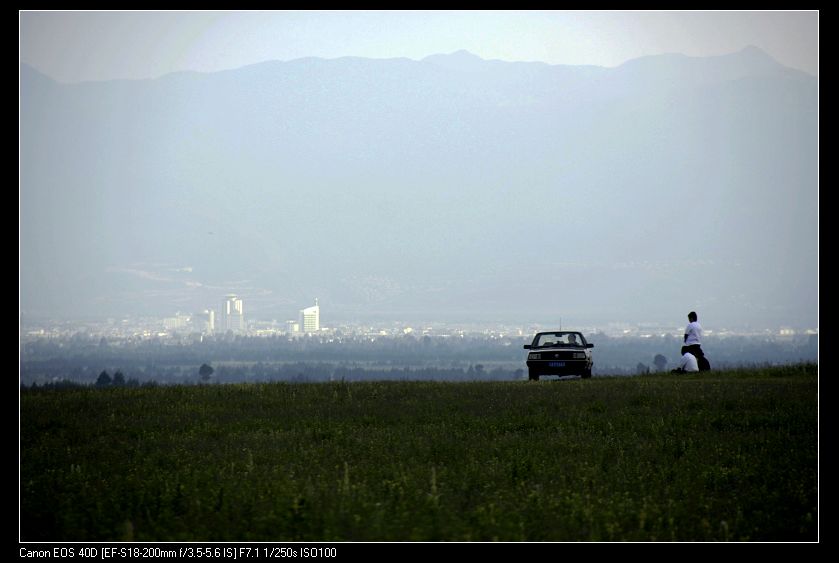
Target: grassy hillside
718, 456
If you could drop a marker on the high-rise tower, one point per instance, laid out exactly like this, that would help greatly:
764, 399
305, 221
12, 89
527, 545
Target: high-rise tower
232, 314
310, 318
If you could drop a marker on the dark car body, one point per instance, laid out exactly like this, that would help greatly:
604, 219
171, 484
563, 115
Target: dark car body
560, 352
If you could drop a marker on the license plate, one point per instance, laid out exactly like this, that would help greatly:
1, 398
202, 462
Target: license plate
556, 364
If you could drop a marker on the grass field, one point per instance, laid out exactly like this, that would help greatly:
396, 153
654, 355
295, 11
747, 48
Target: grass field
716, 456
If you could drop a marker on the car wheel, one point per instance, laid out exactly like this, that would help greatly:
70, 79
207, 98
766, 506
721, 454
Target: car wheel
532, 375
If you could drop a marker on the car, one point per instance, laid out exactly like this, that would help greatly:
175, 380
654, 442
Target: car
559, 353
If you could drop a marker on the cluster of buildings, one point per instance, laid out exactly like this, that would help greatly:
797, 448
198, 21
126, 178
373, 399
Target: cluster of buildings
231, 317
308, 321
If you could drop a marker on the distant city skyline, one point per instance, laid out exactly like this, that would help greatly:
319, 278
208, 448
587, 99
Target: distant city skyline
74, 46
184, 323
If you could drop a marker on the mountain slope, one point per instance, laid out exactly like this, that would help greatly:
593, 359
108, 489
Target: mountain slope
450, 186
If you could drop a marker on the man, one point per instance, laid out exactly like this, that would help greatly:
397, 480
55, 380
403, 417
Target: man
693, 337
687, 364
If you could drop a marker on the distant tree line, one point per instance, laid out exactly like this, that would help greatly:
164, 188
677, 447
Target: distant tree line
104, 380
299, 372
234, 359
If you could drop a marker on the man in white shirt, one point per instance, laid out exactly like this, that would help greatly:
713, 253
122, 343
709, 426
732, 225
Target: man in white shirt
687, 364
693, 332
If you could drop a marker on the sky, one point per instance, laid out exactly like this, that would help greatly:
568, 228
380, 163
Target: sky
82, 46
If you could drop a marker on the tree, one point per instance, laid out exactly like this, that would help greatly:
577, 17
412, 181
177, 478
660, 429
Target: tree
103, 380
205, 372
119, 379
660, 362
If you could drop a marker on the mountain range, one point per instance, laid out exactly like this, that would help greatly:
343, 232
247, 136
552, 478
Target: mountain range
449, 188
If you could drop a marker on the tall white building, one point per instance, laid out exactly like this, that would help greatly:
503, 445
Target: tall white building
232, 315
205, 321
310, 318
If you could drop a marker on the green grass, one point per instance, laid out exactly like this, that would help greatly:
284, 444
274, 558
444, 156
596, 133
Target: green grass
717, 456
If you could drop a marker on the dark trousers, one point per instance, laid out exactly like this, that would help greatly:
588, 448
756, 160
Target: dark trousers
696, 350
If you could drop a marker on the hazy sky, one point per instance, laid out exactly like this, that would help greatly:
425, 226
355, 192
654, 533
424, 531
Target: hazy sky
77, 46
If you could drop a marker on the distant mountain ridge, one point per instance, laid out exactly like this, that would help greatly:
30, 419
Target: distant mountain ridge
432, 187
